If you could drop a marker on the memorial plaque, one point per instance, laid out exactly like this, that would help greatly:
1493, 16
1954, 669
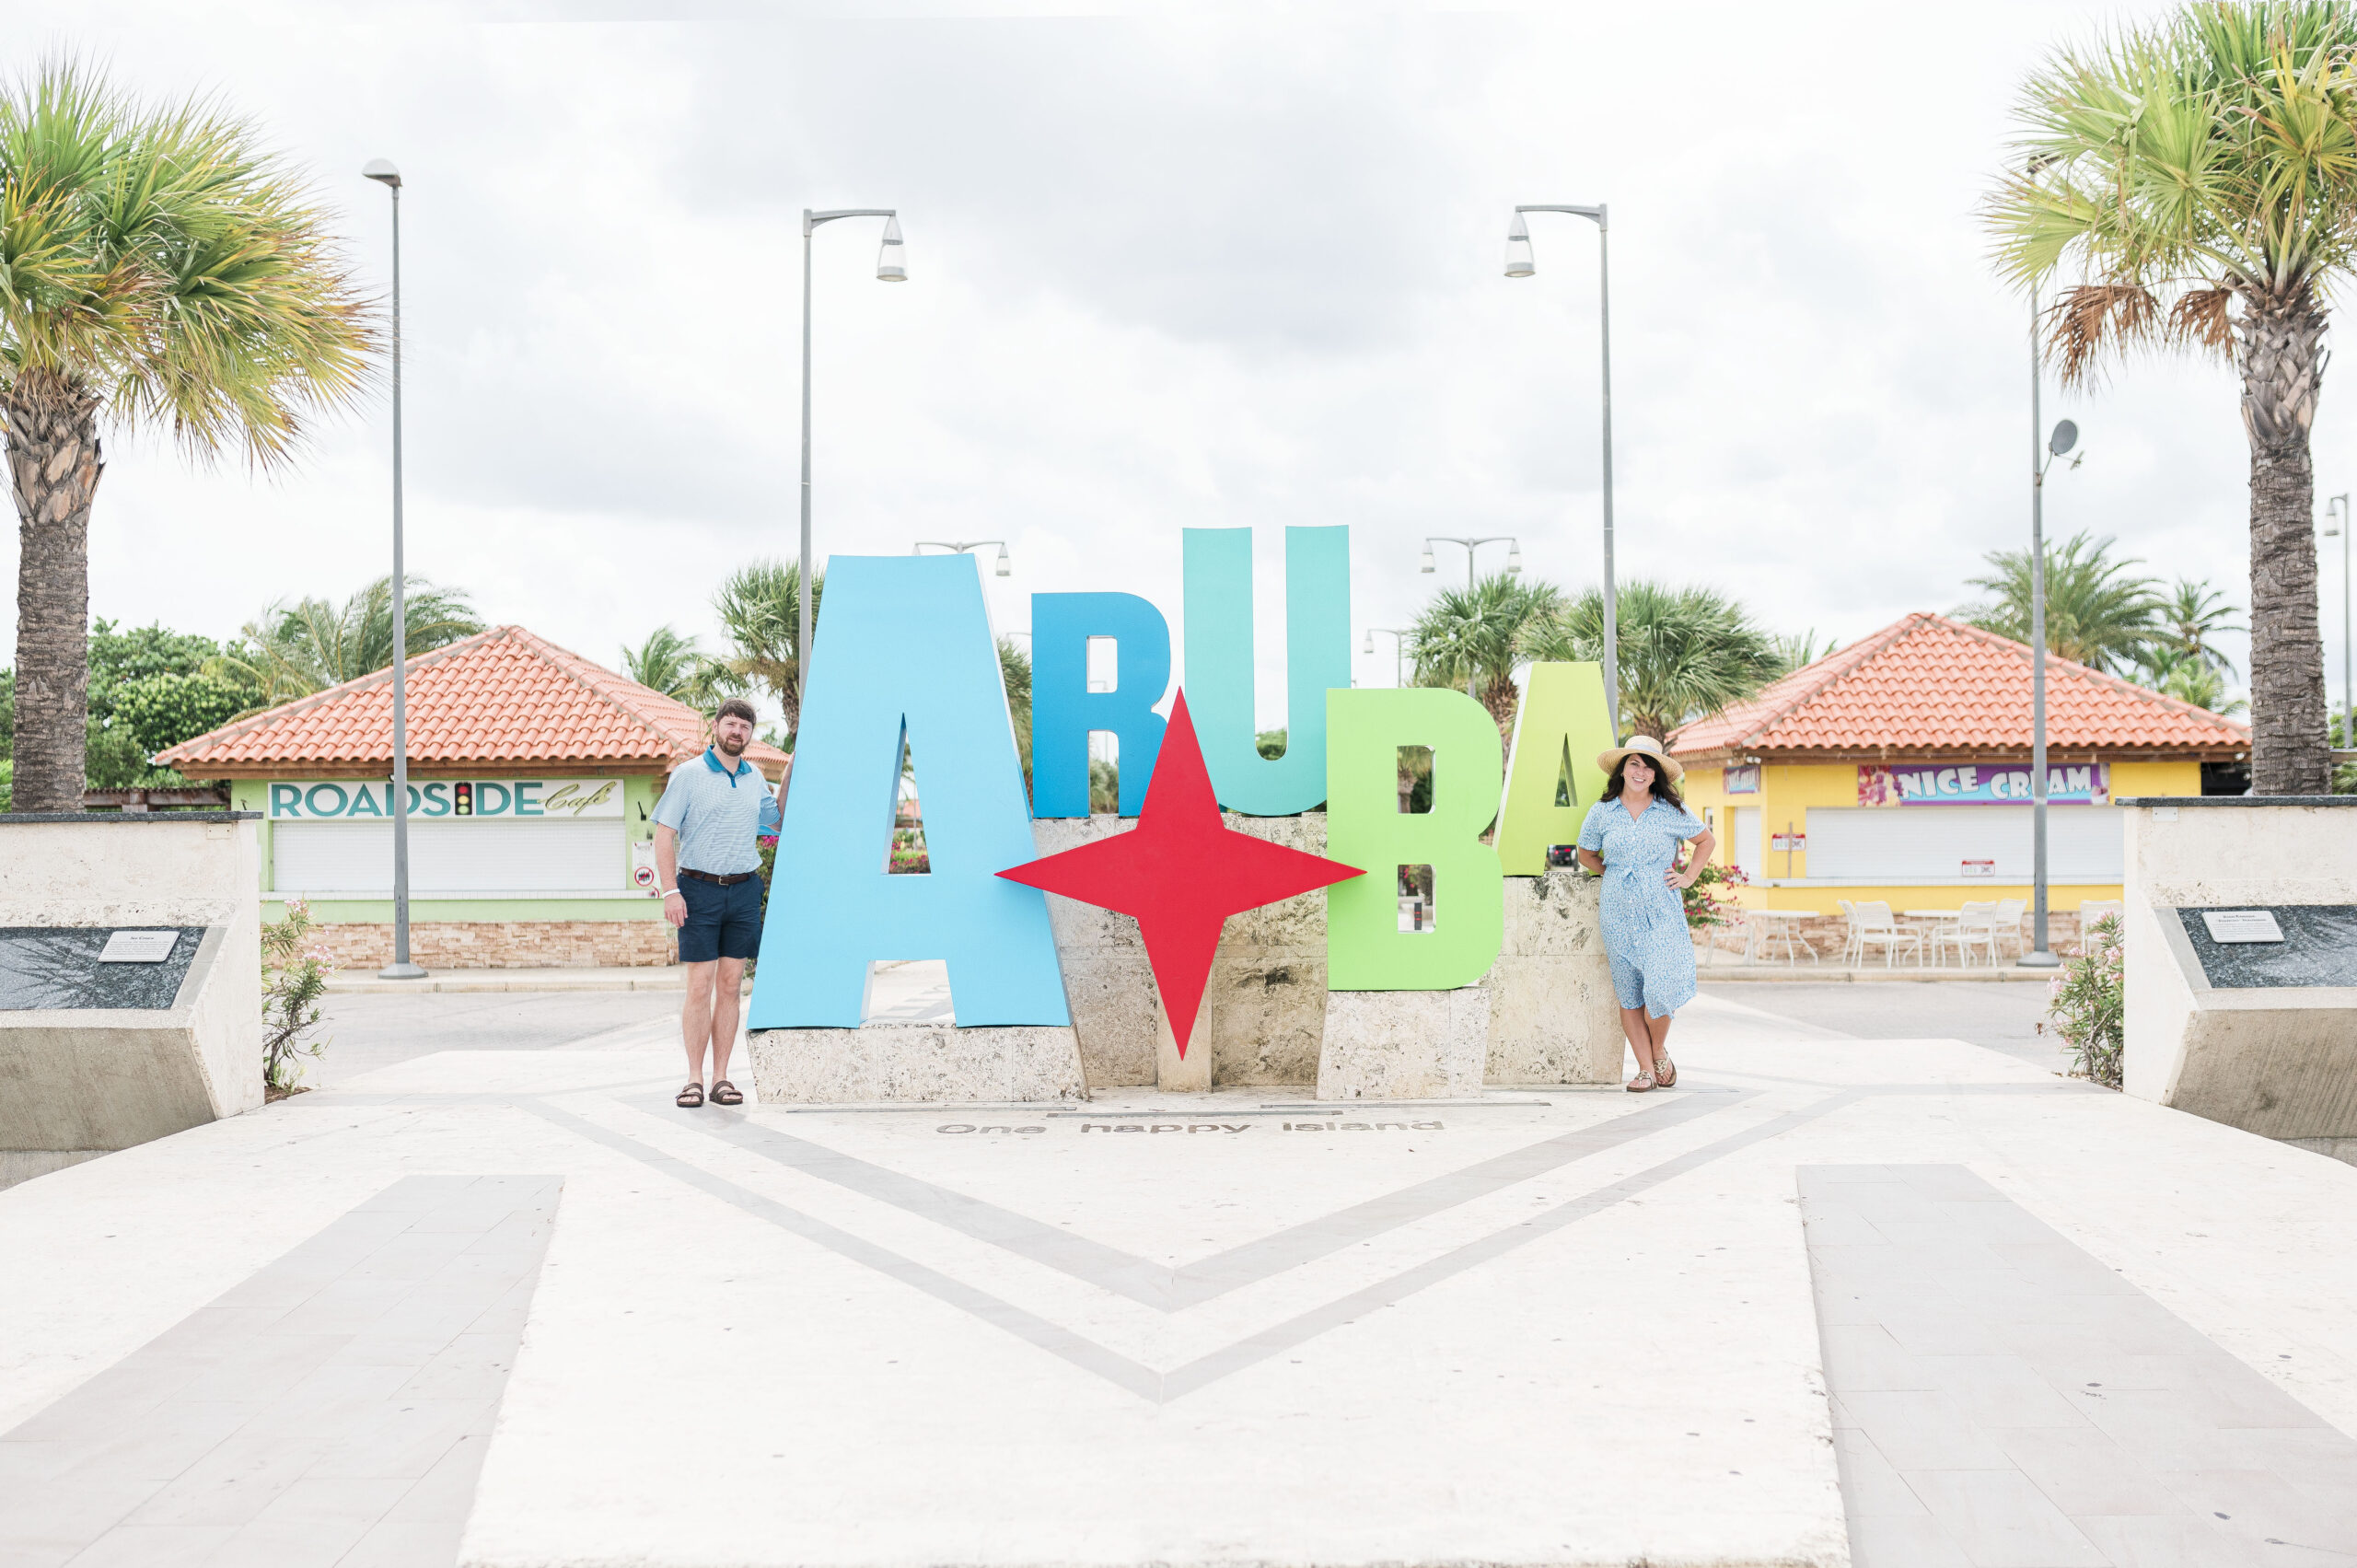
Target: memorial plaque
2310, 945
2242, 925
139, 946
66, 966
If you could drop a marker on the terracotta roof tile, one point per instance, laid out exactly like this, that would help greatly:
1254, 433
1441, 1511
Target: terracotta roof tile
1930, 684
502, 698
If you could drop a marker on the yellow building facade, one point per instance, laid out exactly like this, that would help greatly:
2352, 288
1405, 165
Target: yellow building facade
1896, 770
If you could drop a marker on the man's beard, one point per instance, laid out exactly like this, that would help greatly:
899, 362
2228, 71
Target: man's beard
730, 747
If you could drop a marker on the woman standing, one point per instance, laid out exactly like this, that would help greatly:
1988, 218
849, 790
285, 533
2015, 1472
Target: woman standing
1631, 838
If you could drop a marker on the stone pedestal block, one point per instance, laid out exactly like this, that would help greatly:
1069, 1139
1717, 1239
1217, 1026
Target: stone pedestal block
1190, 1074
106, 1068
921, 1063
1266, 1002
1107, 984
1552, 1016
1404, 1044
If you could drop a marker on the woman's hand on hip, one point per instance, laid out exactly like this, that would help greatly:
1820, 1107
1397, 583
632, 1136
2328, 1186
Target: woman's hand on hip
1681, 880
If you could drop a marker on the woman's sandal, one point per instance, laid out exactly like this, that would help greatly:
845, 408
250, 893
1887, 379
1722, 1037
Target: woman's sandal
725, 1093
690, 1098
1664, 1070
1640, 1084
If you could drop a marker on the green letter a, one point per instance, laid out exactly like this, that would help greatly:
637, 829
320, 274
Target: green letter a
1563, 724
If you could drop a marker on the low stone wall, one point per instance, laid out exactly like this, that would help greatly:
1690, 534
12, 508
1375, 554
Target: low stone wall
1827, 933
504, 944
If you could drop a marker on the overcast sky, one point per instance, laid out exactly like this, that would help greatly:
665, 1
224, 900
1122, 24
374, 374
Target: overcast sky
1168, 271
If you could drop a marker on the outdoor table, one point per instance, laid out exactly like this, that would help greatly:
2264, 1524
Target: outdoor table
1785, 931
1939, 916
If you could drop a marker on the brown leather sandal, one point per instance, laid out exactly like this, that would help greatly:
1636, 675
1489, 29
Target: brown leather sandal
690, 1098
1640, 1084
725, 1093
1664, 1070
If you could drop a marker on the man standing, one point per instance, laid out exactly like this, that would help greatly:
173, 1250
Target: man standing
708, 859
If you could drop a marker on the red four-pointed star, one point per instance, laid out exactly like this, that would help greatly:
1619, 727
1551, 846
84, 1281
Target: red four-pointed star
1182, 872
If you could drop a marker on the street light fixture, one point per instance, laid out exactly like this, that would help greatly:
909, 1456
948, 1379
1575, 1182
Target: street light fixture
384, 173
2339, 504
2041, 458
1513, 565
1521, 263
1398, 649
958, 547
891, 266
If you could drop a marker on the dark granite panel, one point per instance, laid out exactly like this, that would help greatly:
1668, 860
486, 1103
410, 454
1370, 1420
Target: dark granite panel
57, 966
2319, 947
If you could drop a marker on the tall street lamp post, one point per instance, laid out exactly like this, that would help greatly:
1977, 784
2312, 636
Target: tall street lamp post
891, 266
383, 171
1399, 635
1513, 565
2041, 457
2338, 507
1521, 263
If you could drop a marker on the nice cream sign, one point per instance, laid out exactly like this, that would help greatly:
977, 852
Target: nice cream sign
905, 664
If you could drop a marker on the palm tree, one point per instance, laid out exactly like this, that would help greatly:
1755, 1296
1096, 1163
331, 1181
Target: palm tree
2097, 610
1683, 651
156, 266
1476, 635
292, 650
1798, 650
761, 609
2190, 614
1014, 674
673, 664
2193, 185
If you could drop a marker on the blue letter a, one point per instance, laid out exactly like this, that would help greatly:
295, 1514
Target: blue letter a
904, 651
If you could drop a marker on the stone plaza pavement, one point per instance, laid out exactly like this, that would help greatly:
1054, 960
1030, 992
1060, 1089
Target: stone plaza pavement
1902, 1303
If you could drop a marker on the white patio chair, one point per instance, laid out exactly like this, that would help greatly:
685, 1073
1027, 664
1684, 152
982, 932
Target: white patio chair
1970, 929
2006, 926
1876, 925
2094, 910
1850, 949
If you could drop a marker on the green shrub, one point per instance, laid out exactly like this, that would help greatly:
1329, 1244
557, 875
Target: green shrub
293, 977
2085, 1003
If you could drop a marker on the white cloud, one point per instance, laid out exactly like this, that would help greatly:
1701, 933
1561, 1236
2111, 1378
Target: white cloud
1172, 271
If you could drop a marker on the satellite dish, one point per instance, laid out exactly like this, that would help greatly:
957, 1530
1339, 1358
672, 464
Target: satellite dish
2066, 436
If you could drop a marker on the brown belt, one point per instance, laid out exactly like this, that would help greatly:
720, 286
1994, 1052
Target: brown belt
723, 881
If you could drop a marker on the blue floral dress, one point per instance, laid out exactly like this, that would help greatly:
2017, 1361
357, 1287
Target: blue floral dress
1645, 918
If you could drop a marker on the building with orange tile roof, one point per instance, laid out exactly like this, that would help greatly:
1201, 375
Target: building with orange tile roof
1896, 770
533, 777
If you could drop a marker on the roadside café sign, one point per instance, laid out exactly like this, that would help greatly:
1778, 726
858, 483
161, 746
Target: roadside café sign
362, 800
1982, 783
905, 666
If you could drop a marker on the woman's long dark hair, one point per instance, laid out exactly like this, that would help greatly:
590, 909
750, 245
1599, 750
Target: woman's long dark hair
1664, 789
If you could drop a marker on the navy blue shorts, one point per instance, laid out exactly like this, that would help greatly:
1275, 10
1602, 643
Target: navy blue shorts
723, 922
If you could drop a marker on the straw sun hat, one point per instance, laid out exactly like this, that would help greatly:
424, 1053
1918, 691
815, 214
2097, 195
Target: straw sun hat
1642, 746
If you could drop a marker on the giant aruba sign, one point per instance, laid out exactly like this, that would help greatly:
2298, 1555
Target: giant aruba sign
904, 658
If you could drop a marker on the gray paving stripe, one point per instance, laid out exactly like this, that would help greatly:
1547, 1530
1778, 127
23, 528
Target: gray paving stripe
1079, 1351
2001, 1396
337, 1401
1173, 1289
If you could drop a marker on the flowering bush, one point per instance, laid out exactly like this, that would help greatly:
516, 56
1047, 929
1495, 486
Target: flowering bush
2085, 1005
295, 970
1704, 909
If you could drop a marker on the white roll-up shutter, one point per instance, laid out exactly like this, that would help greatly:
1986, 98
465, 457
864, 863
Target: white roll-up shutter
449, 857
1901, 843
